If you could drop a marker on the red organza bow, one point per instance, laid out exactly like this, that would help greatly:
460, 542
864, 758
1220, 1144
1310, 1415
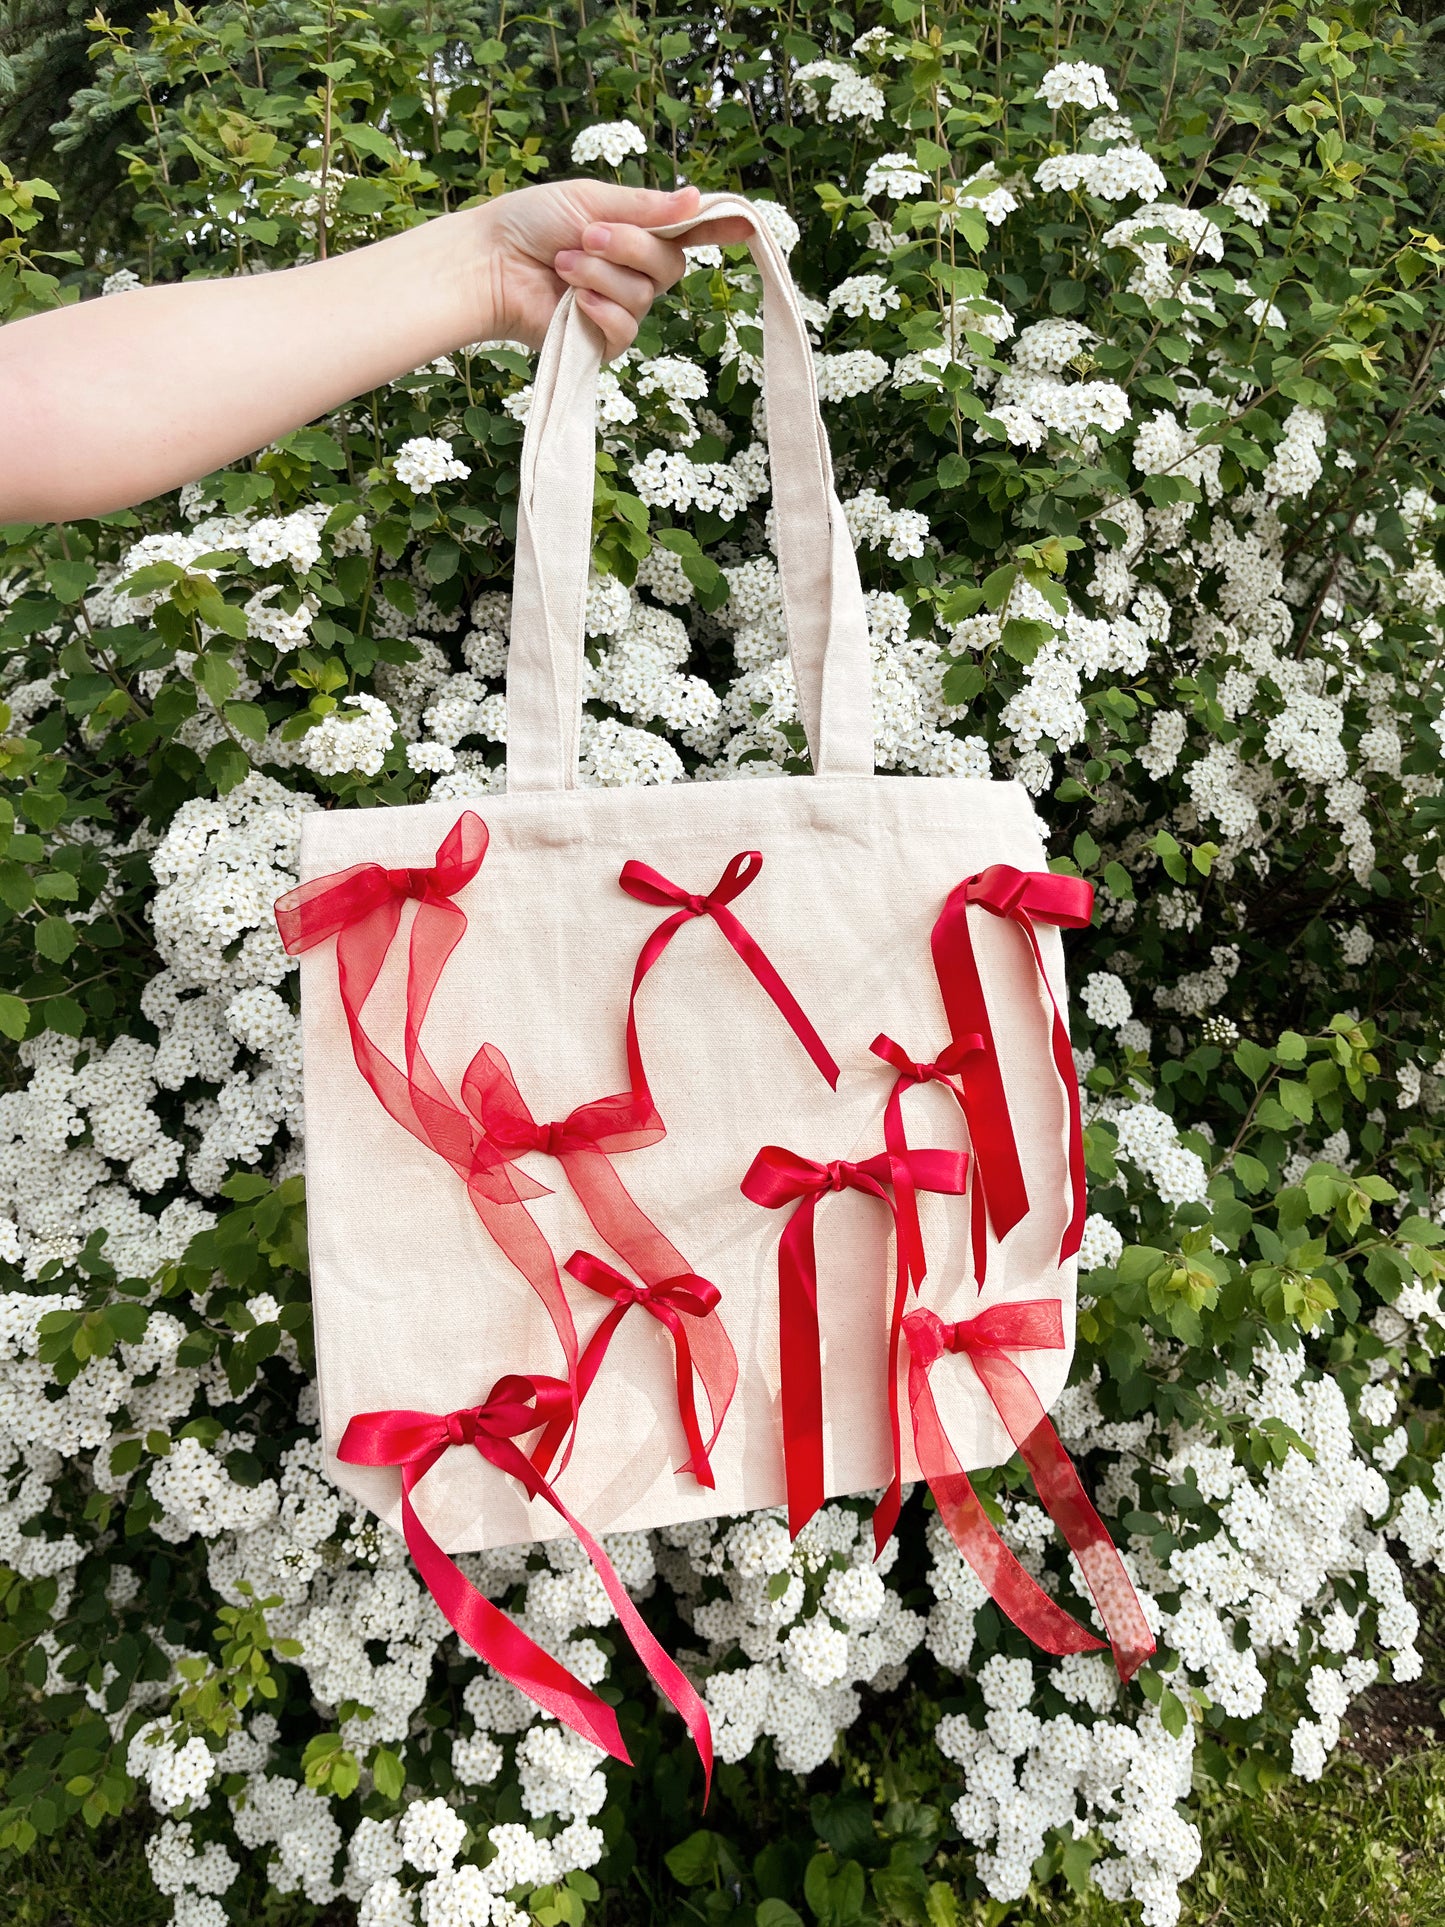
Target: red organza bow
1034, 1324
647, 886
1025, 897
361, 907
943, 1070
584, 1143
777, 1177
677, 1304
414, 1441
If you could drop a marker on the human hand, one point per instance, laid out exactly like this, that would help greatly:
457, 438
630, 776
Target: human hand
592, 236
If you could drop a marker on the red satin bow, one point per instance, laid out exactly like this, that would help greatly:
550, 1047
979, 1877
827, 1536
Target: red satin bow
943, 1070
584, 1143
647, 886
1025, 897
777, 1177
673, 1302
361, 907
515, 1406
1034, 1324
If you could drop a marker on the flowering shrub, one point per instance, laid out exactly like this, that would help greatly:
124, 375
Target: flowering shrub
1129, 344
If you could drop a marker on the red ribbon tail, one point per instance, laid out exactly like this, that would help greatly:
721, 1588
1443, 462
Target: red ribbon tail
978, 1214
669, 1677
699, 1464
800, 1350
757, 961
1017, 1595
486, 1628
1068, 1505
885, 1513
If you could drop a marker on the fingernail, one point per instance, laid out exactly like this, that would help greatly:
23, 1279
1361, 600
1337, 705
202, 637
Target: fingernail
598, 237
568, 258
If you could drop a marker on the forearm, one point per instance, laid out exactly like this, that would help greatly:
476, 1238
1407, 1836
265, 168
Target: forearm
113, 401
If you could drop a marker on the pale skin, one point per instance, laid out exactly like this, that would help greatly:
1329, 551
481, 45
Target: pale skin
110, 402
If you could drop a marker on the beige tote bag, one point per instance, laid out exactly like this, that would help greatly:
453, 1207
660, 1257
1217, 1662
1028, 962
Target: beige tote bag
444, 1204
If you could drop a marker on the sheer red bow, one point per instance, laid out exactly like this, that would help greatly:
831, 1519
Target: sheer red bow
1035, 1324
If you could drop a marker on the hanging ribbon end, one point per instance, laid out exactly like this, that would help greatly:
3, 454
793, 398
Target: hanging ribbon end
1127, 1662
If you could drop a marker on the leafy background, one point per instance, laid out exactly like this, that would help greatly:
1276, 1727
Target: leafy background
1260, 1025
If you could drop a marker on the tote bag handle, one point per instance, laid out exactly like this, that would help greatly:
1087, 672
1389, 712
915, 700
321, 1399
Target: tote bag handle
822, 596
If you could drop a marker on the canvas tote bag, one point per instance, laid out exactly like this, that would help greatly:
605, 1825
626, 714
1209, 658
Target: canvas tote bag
744, 1110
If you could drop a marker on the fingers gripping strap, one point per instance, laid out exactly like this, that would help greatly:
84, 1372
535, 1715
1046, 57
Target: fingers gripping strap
822, 596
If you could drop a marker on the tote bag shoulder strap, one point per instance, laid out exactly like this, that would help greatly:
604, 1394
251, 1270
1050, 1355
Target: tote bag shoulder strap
822, 596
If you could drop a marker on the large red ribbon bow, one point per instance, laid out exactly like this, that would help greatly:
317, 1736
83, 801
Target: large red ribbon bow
647, 886
414, 1441
1034, 1324
943, 1070
1026, 898
777, 1177
361, 907
676, 1303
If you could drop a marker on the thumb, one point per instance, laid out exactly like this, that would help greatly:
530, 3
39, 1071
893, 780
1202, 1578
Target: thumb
636, 206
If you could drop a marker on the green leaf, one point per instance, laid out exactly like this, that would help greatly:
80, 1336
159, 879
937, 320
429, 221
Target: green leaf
1254, 1062
1296, 1099
1170, 855
1022, 638
694, 1861
930, 157
942, 1906
218, 676
1118, 882
1086, 851
226, 766
69, 580
388, 1773
14, 1016
54, 939
777, 1913
247, 719
442, 560
962, 681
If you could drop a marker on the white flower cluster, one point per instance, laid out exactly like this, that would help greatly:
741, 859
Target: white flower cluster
1149, 1138
609, 141
851, 95
1074, 83
1111, 176
426, 460
812, 1616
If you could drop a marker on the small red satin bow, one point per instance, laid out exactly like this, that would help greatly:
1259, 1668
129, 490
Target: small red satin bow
1024, 897
361, 907
414, 1441
943, 1070
1034, 1324
777, 1177
670, 1301
647, 886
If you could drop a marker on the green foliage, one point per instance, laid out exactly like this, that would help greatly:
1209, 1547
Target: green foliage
250, 138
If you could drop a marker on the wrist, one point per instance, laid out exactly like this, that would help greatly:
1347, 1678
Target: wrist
447, 278
469, 249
